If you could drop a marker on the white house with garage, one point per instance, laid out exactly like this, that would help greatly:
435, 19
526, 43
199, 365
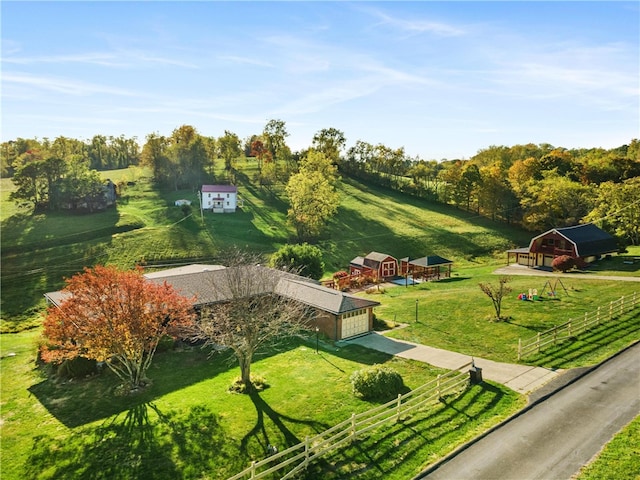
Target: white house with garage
219, 198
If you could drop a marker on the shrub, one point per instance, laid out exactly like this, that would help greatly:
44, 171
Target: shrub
563, 263
259, 384
376, 383
303, 258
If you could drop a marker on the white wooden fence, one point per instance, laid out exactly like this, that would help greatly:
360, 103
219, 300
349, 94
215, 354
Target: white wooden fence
576, 326
299, 456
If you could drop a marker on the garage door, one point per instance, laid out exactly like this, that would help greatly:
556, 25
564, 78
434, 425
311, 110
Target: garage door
355, 323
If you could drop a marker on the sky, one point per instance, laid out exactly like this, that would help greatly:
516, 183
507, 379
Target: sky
441, 79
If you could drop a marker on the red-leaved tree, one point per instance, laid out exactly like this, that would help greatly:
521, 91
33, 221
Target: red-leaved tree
117, 317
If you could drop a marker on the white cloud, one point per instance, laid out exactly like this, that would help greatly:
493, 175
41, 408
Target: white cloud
417, 25
63, 85
117, 59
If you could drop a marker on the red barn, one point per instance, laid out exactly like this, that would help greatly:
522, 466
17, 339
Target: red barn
377, 265
586, 242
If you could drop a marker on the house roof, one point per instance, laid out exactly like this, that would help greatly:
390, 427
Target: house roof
588, 239
430, 261
219, 189
323, 298
207, 284
372, 260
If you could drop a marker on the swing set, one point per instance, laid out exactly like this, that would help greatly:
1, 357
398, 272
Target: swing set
553, 288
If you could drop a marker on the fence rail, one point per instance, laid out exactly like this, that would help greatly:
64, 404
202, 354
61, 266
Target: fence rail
356, 426
576, 326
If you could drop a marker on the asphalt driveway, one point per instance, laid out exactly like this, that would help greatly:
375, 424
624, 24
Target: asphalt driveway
554, 437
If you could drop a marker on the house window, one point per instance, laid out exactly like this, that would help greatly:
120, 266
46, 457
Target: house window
227, 195
208, 195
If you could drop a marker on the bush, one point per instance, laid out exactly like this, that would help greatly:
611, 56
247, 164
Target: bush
258, 382
376, 383
302, 258
563, 263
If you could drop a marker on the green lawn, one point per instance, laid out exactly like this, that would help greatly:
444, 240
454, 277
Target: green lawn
40, 250
619, 459
454, 314
188, 426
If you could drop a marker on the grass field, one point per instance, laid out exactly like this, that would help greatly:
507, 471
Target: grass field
454, 314
39, 251
186, 425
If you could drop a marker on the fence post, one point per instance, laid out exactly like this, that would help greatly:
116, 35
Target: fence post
569, 327
519, 349
555, 334
353, 427
538, 343
398, 407
621, 305
438, 386
253, 469
584, 327
598, 317
306, 451
610, 311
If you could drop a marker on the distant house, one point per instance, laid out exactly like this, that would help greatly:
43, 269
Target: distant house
338, 315
377, 265
586, 242
432, 267
219, 198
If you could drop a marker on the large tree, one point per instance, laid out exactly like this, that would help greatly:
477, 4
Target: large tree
117, 317
313, 197
329, 141
155, 155
275, 134
252, 312
230, 148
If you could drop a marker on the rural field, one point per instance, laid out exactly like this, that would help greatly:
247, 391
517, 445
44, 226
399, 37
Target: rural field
187, 425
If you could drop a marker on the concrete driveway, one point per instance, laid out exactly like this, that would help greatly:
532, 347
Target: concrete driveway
523, 270
521, 378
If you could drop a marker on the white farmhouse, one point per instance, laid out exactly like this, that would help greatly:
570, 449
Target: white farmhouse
219, 198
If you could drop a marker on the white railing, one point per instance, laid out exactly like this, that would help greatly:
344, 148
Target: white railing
302, 454
576, 326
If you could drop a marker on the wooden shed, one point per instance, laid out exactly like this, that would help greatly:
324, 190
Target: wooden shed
376, 265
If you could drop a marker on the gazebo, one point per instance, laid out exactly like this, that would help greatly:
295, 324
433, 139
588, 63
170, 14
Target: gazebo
431, 267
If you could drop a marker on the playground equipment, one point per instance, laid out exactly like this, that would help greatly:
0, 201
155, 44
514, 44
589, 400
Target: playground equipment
553, 288
532, 295
533, 292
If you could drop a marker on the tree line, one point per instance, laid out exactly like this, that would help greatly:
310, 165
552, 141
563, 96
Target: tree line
535, 186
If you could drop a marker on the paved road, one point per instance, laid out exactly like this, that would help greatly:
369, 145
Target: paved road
554, 438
